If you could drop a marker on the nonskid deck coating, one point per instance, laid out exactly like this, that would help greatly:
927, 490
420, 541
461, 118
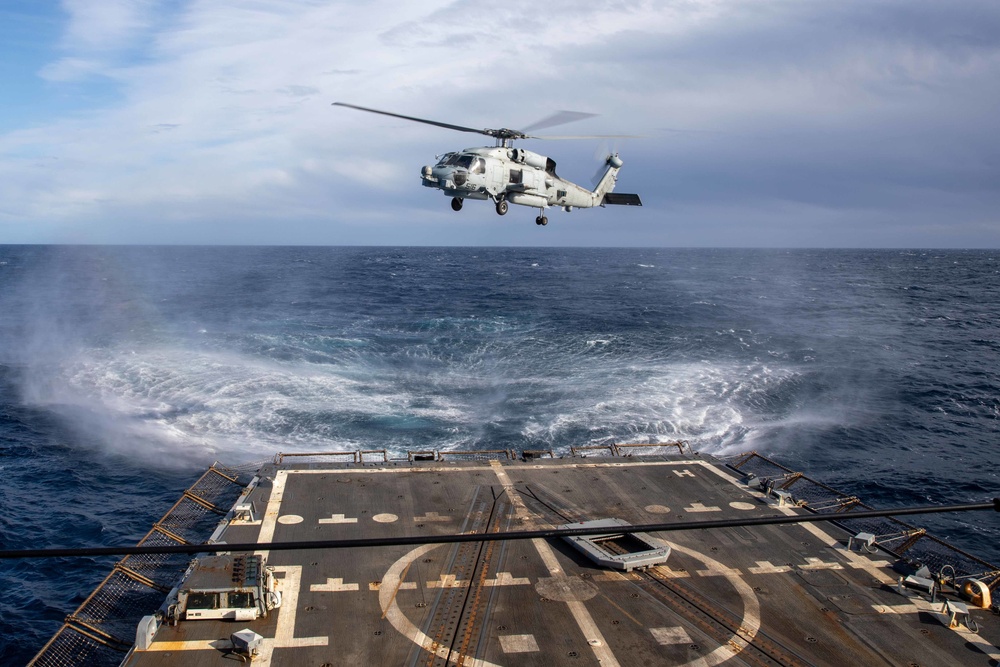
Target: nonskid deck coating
765, 595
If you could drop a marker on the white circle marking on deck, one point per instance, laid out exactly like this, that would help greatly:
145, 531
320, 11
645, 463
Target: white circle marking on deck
392, 613
751, 612
737, 505
657, 509
289, 519
385, 518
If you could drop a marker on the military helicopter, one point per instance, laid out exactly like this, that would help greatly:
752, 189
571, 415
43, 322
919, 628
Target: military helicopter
507, 175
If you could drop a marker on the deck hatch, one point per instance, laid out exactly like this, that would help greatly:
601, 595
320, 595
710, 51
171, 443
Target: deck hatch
619, 549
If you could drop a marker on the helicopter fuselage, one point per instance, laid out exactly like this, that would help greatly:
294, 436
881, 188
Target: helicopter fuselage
505, 174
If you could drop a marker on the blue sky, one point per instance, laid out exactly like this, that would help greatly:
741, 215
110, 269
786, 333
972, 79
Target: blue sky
777, 123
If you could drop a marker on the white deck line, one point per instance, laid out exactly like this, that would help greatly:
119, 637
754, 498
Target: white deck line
270, 519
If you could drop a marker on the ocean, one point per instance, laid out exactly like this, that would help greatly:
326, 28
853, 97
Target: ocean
126, 371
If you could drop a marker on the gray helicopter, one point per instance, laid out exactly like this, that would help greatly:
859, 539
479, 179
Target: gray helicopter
507, 175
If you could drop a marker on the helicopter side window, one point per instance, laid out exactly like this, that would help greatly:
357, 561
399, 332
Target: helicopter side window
515, 176
479, 166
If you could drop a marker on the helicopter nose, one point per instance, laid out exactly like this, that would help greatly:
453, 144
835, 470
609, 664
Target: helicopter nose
461, 177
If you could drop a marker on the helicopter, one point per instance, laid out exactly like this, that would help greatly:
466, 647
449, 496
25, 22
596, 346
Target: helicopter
506, 175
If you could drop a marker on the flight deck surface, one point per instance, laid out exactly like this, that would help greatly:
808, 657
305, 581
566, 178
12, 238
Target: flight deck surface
764, 595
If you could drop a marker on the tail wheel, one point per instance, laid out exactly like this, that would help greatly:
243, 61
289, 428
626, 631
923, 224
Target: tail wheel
502, 207
456, 204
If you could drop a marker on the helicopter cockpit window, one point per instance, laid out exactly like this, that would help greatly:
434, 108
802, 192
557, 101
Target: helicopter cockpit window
447, 159
464, 161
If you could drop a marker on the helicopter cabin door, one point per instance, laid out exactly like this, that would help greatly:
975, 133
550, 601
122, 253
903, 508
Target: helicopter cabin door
495, 176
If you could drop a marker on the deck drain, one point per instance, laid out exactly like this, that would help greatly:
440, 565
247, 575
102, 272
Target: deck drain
694, 647
633, 595
811, 640
572, 654
616, 622
377, 633
924, 631
420, 605
501, 628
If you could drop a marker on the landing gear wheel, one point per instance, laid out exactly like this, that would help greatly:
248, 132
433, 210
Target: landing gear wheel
502, 207
456, 204
538, 220
542, 220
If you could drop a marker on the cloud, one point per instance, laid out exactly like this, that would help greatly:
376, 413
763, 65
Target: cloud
794, 113
106, 25
97, 34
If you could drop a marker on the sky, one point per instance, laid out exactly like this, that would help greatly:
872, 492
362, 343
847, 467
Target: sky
757, 123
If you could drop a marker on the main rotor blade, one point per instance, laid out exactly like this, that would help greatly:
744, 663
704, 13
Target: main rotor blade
558, 118
449, 126
556, 137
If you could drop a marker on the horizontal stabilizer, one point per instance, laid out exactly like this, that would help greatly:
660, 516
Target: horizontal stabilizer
621, 199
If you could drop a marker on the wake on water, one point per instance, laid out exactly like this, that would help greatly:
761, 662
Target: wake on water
178, 406
175, 357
